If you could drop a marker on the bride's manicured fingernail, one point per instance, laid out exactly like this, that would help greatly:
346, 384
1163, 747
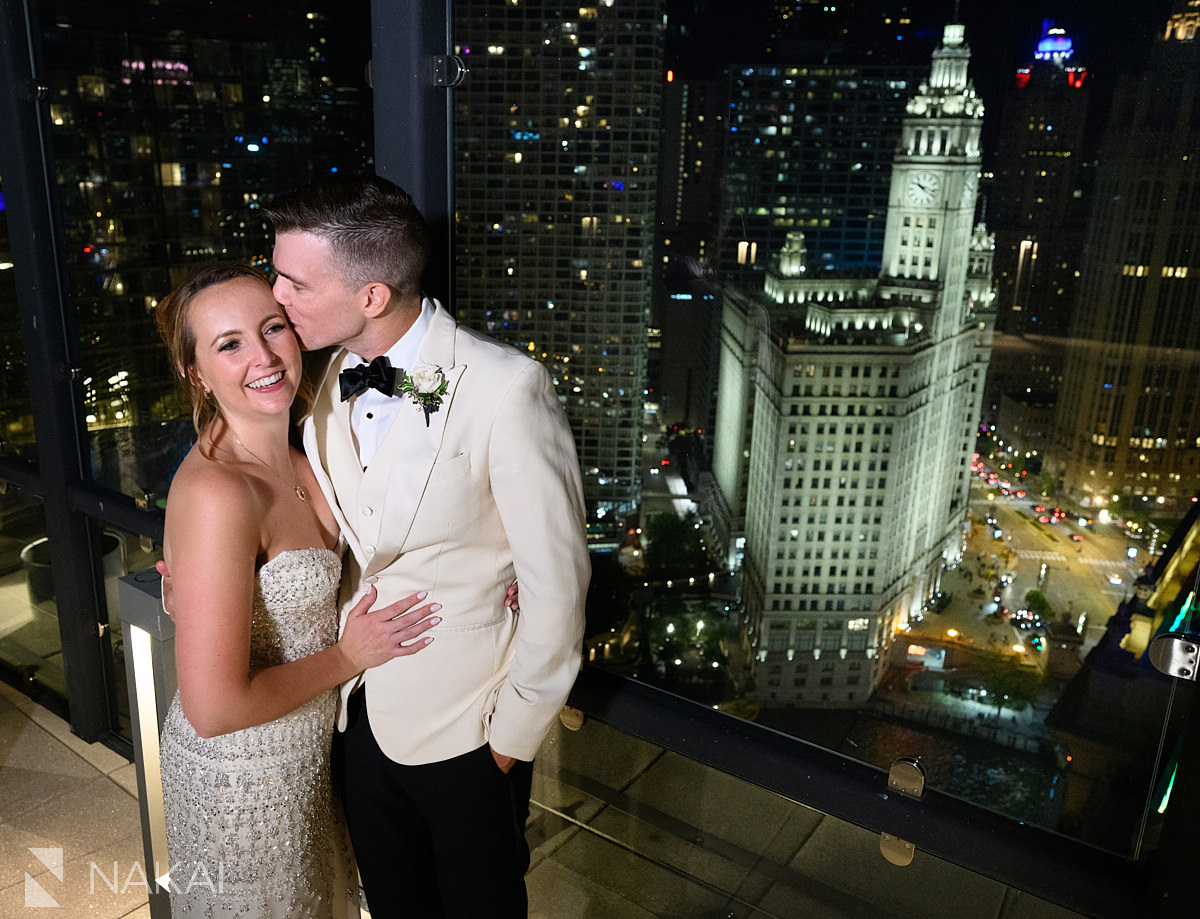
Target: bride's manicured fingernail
422, 595
435, 620
434, 607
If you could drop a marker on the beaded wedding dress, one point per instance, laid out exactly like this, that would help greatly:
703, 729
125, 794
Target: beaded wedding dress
253, 829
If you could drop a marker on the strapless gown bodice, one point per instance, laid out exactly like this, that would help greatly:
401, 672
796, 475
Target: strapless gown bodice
252, 825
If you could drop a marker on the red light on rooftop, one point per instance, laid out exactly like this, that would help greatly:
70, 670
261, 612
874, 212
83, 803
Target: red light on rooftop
1076, 76
1022, 78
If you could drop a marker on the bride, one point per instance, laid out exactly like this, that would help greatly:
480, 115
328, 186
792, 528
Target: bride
254, 557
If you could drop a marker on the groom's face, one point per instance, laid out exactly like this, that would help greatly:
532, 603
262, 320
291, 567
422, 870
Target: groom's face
318, 305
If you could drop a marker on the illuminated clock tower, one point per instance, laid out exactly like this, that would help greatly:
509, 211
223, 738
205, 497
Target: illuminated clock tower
935, 174
861, 398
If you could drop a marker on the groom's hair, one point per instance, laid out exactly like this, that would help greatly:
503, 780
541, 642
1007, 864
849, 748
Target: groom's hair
375, 232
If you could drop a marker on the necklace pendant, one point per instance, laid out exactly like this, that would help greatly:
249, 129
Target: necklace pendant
301, 493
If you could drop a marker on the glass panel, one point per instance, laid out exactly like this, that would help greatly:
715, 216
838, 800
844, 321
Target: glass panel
166, 137
808, 539
30, 646
16, 416
626, 830
124, 552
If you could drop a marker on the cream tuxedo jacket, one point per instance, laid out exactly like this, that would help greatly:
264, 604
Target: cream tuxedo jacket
488, 492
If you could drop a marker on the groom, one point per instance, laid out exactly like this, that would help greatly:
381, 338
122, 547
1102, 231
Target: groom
450, 466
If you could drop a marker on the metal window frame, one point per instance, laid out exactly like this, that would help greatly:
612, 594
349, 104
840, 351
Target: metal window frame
410, 43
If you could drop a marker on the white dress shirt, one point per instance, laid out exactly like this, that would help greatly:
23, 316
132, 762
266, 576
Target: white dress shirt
371, 412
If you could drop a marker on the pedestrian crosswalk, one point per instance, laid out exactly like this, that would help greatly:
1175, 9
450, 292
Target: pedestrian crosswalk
1039, 556
1032, 555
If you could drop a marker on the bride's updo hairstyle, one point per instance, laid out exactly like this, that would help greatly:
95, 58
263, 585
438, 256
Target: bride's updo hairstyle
173, 318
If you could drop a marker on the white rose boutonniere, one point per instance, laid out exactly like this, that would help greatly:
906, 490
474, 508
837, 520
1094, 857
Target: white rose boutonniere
425, 385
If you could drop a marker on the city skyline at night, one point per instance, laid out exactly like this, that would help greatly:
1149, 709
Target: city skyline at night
756, 246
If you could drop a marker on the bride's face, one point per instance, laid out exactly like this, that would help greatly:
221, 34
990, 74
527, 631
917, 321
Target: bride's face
246, 352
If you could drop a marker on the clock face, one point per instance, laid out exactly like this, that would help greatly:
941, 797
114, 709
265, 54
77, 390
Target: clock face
969, 188
923, 188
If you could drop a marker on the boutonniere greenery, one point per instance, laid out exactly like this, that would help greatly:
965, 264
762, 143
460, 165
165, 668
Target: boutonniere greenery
425, 385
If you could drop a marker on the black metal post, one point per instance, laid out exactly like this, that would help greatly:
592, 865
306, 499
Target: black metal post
411, 42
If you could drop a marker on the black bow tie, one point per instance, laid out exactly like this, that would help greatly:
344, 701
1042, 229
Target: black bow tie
379, 374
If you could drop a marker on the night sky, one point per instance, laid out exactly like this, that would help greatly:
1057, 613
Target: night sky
705, 36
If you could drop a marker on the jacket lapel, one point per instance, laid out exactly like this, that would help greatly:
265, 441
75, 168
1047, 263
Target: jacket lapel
330, 448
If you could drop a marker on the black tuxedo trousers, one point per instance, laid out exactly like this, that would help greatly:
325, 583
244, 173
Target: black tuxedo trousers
443, 840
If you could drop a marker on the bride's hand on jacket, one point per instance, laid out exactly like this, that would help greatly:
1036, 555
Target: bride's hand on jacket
374, 636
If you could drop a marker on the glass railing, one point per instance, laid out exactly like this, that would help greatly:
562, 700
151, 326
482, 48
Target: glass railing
30, 644
647, 804
1087, 747
624, 827
699, 796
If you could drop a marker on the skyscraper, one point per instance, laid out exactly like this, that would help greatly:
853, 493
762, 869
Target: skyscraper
167, 135
860, 396
1037, 208
1128, 422
686, 311
1037, 204
556, 155
808, 147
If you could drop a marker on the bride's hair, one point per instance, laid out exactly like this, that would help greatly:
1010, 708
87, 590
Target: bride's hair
173, 319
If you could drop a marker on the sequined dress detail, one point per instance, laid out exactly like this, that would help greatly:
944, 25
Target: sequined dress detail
252, 826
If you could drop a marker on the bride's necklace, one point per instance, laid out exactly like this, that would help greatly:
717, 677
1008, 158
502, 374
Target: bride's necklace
295, 485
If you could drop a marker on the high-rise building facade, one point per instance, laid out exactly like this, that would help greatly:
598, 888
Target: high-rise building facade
862, 396
167, 135
1037, 208
809, 148
1037, 204
1128, 423
686, 307
556, 156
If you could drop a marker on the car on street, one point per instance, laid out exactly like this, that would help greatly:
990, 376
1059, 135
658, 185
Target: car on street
1075, 537
1025, 619
1115, 579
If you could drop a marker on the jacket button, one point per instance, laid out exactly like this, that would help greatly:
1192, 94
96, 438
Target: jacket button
370, 550
367, 512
